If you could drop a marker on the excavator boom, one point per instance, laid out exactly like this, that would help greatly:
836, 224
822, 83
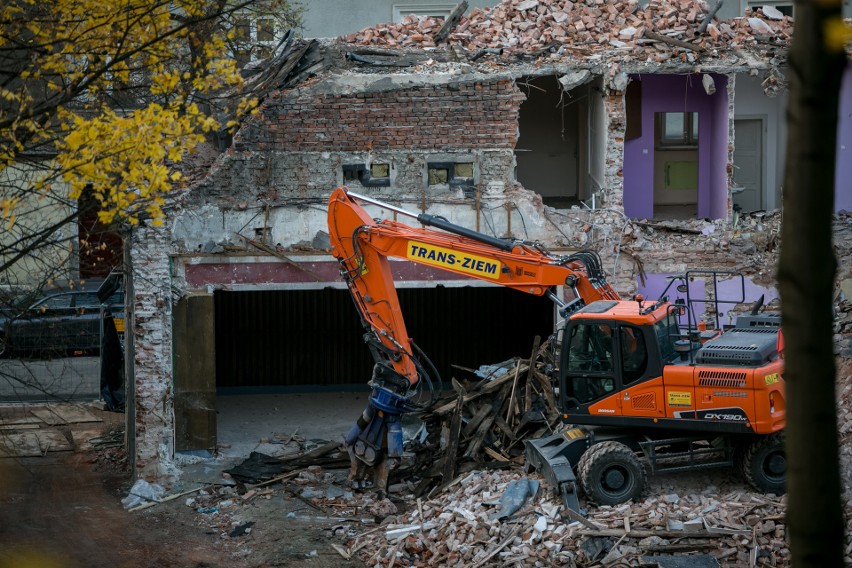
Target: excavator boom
363, 246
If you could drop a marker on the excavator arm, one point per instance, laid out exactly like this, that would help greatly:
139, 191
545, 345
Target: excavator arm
363, 247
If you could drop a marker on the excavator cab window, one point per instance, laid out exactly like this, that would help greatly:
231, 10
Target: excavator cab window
634, 354
589, 361
668, 332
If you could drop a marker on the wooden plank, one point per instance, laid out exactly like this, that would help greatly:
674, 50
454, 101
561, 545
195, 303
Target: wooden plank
21, 420
479, 437
448, 468
672, 41
530, 369
194, 373
33, 443
482, 389
451, 21
476, 420
547, 389
502, 425
509, 413
56, 414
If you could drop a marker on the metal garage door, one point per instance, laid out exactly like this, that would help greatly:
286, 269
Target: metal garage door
313, 338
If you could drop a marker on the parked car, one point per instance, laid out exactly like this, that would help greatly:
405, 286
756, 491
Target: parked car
67, 322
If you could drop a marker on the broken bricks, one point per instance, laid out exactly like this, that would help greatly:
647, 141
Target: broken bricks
530, 26
458, 527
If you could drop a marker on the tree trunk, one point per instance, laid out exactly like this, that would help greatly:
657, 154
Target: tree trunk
806, 279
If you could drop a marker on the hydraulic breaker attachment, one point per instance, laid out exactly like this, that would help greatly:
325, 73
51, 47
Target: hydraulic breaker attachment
376, 439
555, 457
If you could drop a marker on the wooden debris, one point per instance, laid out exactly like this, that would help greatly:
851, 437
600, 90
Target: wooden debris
451, 21
483, 425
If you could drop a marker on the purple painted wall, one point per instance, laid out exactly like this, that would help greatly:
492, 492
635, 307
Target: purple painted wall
726, 289
679, 93
843, 172
655, 285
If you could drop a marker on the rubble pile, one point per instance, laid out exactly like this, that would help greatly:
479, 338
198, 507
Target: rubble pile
484, 423
465, 526
529, 26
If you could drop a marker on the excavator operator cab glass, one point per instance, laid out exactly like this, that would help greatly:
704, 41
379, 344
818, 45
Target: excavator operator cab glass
634, 353
589, 361
667, 331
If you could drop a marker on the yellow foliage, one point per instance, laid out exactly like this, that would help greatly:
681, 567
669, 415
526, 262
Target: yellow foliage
82, 54
838, 34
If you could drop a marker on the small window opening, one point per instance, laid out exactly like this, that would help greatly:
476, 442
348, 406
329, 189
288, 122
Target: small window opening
438, 176
378, 171
377, 175
455, 174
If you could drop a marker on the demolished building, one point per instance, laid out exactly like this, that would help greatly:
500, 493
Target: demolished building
653, 135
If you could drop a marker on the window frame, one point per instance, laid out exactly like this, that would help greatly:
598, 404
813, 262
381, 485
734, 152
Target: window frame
453, 180
690, 135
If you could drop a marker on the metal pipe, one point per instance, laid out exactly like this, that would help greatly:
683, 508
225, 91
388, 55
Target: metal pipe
382, 204
441, 223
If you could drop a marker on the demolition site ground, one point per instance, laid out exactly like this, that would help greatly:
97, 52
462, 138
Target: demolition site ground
64, 509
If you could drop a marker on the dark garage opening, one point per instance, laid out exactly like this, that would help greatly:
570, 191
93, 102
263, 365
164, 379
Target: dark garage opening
304, 339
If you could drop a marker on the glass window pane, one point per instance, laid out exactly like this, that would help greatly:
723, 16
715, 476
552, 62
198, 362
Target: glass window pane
438, 176
634, 355
694, 127
55, 302
673, 126
380, 170
87, 301
464, 170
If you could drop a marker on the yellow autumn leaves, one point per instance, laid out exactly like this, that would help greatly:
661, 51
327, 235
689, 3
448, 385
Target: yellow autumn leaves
115, 93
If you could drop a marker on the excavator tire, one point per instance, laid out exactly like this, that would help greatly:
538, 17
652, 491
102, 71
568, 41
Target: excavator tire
611, 473
764, 462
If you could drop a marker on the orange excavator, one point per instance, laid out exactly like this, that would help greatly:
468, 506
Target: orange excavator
641, 384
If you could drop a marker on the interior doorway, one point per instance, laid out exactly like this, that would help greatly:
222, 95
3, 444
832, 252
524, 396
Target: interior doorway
748, 187
549, 148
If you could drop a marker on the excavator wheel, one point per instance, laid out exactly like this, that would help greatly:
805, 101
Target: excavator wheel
763, 463
611, 473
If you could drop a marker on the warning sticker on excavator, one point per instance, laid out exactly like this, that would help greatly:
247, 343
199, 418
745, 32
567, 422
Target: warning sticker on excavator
677, 398
573, 434
454, 260
771, 378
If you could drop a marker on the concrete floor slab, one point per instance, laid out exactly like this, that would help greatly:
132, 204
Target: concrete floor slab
264, 422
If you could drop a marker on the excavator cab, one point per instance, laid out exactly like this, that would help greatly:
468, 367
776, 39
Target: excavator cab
602, 354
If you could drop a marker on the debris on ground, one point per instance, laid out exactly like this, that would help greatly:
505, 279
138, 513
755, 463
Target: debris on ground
260, 467
483, 424
460, 527
143, 492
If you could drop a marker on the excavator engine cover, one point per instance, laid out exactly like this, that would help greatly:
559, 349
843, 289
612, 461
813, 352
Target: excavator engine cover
750, 347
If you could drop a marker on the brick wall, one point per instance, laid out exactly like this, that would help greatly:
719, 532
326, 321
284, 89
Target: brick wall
151, 326
464, 116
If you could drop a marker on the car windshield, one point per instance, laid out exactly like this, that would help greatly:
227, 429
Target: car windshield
87, 301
